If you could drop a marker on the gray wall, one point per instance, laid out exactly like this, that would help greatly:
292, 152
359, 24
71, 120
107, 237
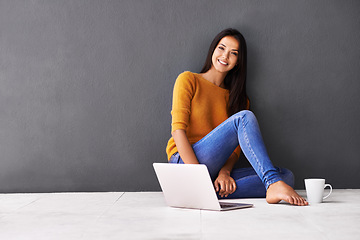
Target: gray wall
86, 87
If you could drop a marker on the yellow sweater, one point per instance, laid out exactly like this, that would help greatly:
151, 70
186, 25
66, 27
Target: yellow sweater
198, 107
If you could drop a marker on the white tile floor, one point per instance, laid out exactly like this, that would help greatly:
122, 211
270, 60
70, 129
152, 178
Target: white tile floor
144, 215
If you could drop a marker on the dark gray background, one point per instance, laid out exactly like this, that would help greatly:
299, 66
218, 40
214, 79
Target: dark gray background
86, 87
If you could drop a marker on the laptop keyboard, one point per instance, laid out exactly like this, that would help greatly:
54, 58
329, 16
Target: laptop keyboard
224, 205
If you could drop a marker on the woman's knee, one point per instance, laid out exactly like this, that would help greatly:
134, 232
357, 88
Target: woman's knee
244, 113
244, 116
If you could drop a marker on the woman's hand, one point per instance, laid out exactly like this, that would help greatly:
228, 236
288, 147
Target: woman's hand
224, 184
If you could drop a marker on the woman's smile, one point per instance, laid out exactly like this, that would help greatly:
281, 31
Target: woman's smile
223, 62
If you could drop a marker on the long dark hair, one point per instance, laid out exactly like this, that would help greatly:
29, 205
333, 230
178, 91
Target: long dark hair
235, 80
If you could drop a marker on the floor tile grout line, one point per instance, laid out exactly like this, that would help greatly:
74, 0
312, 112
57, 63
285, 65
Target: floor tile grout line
107, 209
28, 203
312, 224
101, 214
201, 228
119, 197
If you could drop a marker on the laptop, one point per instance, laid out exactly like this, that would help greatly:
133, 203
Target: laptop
190, 186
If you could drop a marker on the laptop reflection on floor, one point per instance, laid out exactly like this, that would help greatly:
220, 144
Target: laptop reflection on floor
190, 186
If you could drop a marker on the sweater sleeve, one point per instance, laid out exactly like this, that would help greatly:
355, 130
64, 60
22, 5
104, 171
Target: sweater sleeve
183, 93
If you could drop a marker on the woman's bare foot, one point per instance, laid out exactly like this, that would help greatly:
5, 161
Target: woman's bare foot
281, 191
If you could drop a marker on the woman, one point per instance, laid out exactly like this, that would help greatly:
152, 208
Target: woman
203, 132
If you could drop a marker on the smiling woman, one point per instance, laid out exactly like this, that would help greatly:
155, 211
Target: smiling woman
225, 57
211, 118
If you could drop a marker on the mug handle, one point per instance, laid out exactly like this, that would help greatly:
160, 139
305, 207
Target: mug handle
328, 185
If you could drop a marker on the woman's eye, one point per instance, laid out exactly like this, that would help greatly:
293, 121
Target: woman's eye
221, 48
234, 53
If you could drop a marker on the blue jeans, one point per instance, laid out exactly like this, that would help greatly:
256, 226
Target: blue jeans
215, 148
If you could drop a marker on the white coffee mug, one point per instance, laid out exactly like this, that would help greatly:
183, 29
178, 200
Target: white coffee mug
315, 190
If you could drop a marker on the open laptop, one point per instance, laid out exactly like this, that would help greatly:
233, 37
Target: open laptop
190, 186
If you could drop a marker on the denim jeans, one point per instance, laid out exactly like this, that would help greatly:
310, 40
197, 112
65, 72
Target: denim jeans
215, 148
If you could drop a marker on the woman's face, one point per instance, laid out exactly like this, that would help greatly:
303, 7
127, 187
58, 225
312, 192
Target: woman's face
225, 55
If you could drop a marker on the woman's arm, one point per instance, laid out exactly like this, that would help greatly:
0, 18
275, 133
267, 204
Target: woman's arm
224, 183
229, 165
184, 147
